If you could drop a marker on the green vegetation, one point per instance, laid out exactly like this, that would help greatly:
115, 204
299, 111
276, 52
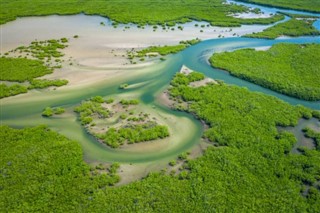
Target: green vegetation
314, 135
44, 171
291, 69
183, 156
44, 50
21, 69
155, 51
129, 102
43, 83
91, 108
37, 62
182, 79
316, 114
301, 16
140, 12
123, 86
173, 163
294, 27
165, 50
134, 134
130, 129
48, 111
306, 5
97, 99
251, 170
191, 42
6, 91
58, 110
219, 101
109, 101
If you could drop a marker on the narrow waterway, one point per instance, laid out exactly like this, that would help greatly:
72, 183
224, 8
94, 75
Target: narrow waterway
25, 110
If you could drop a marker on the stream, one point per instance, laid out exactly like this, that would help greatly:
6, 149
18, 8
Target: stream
26, 109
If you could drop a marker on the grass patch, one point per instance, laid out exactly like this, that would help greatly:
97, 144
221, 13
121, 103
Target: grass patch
155, 51
123, 86
90, 108
305, 5
7, 91
310, 133
52, 169
291, 69
135, 133
166, 50
48, 111
21, 69
295, 27
46, 51
44, 83
140, 12
129, 128
32, 61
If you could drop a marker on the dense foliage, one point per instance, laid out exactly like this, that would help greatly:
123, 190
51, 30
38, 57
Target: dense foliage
91, 108
133, 129
310, 133
252, 170
21, 69
129, 102
26, 63
182, 79
134, 134
294, 27
165, 50
42, 171
48, 111
307, 5
140, 11
15, 89
47, 50
291, 69
44, 83
123, 86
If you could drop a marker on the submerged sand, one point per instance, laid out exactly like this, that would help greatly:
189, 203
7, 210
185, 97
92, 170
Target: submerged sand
100, 52
98, 56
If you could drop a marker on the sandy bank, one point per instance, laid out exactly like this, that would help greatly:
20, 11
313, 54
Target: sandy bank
100, 52
186, 70
251, 15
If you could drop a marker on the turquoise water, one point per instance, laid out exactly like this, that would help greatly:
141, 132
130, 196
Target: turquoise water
197, 56
271, 9
28, 112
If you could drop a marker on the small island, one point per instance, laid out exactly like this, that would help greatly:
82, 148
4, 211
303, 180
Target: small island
298, 25
119, 123
291, 69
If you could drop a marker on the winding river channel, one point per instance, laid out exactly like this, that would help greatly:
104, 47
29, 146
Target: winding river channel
25, 110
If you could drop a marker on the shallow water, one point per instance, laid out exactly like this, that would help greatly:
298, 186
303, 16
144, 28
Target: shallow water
25, 110
272, 9
303, 141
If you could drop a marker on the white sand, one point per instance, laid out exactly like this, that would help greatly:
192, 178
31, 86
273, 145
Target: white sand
100, 52
251, 15
262, 48
186, 70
